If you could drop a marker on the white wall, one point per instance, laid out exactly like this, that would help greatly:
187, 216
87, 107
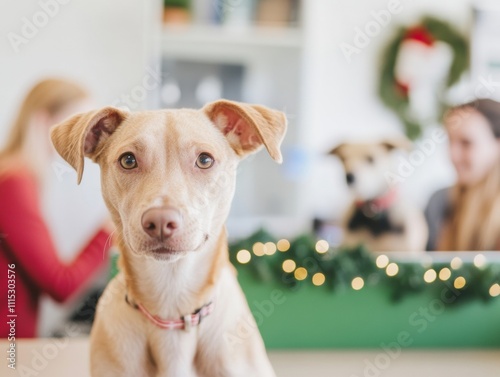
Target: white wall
103, 45
340, 100
107, 47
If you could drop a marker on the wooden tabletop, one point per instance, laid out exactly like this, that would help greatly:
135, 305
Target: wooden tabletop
69, 357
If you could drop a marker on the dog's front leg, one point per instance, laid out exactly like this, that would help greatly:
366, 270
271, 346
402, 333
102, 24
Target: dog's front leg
173, 352
120, 354
118, 341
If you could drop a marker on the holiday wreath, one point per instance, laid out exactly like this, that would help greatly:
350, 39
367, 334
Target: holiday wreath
396, 94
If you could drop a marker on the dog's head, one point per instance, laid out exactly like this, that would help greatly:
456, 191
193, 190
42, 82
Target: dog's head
168, 176
366, 165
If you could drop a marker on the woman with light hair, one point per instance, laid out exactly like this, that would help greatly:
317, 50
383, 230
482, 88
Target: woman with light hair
466, 217
27, 249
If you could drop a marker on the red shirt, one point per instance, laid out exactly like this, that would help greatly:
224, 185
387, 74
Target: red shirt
26, 242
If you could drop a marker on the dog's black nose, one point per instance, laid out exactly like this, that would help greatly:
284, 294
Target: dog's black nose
349, 177
161, 222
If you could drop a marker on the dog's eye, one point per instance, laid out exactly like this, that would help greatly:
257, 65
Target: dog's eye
204, 161
369, 159
128, 161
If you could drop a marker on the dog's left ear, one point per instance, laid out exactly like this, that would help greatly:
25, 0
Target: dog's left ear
337, 150
249, 127
399, 143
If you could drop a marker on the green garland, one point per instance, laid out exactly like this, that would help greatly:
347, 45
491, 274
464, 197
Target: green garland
388, 90
307, 260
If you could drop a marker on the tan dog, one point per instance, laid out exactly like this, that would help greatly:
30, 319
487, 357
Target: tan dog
168, 179
378, 218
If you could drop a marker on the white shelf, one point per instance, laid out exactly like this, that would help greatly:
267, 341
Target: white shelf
226, 43
248, 36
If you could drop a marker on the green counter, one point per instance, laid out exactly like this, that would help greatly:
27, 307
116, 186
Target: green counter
313, 317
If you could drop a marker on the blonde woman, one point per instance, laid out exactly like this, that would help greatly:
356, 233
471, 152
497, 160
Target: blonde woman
26, 247
466, 217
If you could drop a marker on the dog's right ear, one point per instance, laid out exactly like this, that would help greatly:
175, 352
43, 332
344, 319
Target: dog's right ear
83, 134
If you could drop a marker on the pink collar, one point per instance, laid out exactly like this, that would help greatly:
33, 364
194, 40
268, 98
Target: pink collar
186, 322
379, 204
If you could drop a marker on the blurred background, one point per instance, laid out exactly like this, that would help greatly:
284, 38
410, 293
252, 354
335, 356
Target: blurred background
295, 57
342, 71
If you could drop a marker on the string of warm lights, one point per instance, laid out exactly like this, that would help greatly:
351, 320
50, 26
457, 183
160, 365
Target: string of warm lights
307, 260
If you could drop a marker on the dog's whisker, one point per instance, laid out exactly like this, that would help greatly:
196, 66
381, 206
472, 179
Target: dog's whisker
108, 242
